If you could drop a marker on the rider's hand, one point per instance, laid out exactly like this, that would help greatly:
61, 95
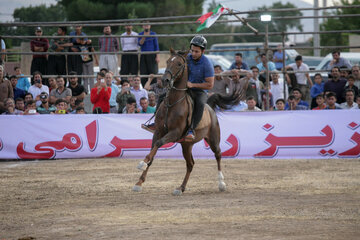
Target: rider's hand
189, 85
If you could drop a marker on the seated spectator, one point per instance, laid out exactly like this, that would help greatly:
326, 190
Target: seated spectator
291, 79
114, 92
20, 104
264, 100
77, 90
37, 88
277, 88
351, 85
293, 104
61, 92
28, 97
296, 92
349, 97
280, 104
45, 107
344, 72
239, 63
251, 105
23, 83
331, 101
52, 83
72, 106
320, 102
6, 90
337, 61
157, 87
336, 84
219, 84
131, 106
316, 89
138, 92
152, 99
355, 71
80, 110
145, 108
10, 107
100, 94
123, 95
30, 108
18, 93
61, 106
357, 102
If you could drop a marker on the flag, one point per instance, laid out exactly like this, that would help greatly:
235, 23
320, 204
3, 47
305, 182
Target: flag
210, 18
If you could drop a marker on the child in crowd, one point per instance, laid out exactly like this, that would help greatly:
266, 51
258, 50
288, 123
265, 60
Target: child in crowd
316, 89
320, 101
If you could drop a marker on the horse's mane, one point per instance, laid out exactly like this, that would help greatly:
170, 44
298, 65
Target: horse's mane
181, 52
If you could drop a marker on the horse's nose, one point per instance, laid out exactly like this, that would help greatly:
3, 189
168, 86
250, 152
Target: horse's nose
165, 78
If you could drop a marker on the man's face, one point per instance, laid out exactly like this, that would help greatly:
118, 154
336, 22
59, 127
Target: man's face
108, 79
72, 101
356, 72
144, 104
297, 95
44, 99
152, 98
349, 97
344, 73
217, 70
251, 103
146, 27
61, 106
298, 63
196, 52
10, 103
292, 102
255, 72
20, 105
331, 101
280, 105
28, 97
13, 82
235, 77
78, 29
128, 28
130, 107
73, 80
335, 73
136, 82
60, 31
37, 80
125, 86
238, 59
318, 79
38, 33
107, 30
18, 71
275, 77
60, 82
263, 59
320, 101
336, 56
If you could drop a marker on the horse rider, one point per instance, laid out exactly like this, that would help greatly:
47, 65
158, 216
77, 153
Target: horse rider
200, 79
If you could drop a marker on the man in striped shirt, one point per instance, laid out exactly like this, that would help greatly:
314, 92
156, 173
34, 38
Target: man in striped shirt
108, 44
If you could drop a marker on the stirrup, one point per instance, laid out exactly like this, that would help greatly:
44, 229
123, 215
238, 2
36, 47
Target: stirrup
149, 127
190, 136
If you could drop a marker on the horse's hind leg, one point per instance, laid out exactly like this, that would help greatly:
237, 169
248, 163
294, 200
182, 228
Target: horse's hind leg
214, 142
186, 149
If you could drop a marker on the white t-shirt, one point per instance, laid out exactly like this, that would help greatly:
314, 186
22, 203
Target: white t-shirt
277, 91
129, 43
300, 77
35, 91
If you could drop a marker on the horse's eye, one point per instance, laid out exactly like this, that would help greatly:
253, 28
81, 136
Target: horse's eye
179, 64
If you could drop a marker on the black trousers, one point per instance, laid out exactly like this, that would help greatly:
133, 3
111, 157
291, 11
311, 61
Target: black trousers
57, 65
129, 64
39, 64
200, 99
148, 66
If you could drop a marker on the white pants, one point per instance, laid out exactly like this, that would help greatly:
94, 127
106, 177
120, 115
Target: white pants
110, 62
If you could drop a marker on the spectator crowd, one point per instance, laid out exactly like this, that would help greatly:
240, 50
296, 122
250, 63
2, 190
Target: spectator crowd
109, 94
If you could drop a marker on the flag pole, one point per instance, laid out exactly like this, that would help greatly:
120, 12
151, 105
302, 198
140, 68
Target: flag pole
244, 22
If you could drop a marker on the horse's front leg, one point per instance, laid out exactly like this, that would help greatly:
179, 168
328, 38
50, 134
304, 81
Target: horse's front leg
146, 163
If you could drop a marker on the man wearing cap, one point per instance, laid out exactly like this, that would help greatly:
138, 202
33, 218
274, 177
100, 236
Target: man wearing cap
39, 62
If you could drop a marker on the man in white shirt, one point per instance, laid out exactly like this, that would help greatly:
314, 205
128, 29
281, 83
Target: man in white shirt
303, 79
349, 103
277, 88
138, 92
129, 62
38, 88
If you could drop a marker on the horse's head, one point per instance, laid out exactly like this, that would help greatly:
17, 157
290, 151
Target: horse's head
175, 67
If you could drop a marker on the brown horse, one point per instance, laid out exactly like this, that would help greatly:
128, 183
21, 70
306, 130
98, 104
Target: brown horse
173, 119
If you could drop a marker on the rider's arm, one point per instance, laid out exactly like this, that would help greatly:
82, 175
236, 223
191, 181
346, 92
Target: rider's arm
207, 85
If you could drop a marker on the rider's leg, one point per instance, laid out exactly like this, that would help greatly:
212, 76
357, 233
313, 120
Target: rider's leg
151, 126
200, 98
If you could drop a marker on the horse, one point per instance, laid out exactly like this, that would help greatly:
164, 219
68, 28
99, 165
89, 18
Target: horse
173, 118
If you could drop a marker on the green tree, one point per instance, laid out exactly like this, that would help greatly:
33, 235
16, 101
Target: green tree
333, 24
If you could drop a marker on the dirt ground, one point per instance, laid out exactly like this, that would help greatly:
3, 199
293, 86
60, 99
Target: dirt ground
265, 199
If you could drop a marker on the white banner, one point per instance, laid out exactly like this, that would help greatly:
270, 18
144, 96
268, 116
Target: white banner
289, 134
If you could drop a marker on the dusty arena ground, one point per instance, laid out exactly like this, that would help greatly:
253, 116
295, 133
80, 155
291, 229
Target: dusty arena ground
265, 199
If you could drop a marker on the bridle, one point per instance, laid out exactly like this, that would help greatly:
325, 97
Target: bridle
173, 77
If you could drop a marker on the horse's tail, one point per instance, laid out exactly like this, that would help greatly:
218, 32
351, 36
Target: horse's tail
225, 101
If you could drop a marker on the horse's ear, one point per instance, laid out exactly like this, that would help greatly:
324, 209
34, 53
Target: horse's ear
185, 53
172, 51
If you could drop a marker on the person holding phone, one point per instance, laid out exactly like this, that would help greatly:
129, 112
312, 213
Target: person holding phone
100, 94
124, 95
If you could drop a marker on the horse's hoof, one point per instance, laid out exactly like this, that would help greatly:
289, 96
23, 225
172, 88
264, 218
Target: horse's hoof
177, 192
222, 186
142, 166
137, 188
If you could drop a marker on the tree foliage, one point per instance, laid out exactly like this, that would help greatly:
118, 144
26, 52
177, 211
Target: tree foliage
333, 24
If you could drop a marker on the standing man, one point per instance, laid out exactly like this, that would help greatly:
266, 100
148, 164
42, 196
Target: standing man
6, 89
338, 61
239, 64
336, 85
303, 79
75, 61
108, 44
220, 84
114, 92
129, 62
148, 62
3, 50
264, 65
278, 58
39, 62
